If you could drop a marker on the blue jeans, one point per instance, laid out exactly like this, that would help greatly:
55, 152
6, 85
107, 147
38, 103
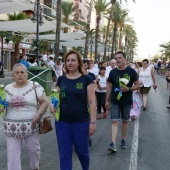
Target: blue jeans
69, 134
120, 112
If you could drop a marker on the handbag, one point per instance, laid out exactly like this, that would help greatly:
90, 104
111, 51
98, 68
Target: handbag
45, 121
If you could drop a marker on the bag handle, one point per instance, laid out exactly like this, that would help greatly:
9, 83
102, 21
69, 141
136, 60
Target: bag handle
35, 93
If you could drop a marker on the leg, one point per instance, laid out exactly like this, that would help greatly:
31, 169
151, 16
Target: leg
64, 139
115, 117
144, 96
103, 100
80, 133
14, 153
125, 126
114, 131
33, 145
98, 97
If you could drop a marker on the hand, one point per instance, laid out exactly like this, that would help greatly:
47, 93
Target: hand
154, 86
107, 105
52, 110
1, 110
36, 118
92, 129
124, 89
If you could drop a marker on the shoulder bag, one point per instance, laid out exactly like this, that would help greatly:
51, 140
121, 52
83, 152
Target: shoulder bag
45, 121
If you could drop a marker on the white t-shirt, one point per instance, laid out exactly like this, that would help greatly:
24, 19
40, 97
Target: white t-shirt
102, 83
44, 57
52, 64
108, 69
94, 70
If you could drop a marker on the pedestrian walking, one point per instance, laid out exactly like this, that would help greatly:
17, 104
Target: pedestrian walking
21, 118
119, 93
75, 123
101, 92
147, 80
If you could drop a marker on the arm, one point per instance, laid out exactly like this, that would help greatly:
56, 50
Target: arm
92, 106
136, 86
43, 105
108, 94
153, 76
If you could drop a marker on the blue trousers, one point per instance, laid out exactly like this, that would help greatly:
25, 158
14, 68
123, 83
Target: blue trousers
69, 134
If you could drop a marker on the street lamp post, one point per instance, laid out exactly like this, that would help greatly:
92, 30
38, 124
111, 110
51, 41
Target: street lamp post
91, 43
37, 17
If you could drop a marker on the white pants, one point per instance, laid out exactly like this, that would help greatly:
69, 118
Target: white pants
14, 151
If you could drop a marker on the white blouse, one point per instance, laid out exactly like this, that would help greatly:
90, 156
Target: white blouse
145, 77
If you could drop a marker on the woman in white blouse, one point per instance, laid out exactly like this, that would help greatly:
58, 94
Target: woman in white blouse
147, 79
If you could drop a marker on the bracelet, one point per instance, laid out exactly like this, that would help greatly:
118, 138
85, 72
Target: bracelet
93, 123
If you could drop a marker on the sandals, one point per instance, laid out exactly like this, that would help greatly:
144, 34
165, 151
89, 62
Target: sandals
104, 115
99, 116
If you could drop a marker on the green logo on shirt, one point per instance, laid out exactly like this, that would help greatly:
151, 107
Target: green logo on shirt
79, 85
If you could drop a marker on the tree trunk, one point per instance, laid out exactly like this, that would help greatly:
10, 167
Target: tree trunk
16, 52
96, 38
58, 28
108, 25
120, 39
113, 41
88, 30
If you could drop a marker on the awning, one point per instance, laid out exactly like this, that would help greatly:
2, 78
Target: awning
8, 6
27, 26
63, 36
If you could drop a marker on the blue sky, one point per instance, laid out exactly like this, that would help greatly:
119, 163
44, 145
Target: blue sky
152, 24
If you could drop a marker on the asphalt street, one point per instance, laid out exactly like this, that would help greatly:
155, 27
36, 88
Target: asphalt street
151, 151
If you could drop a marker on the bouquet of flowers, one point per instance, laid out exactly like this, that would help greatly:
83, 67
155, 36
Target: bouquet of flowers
56, 103
3, 102
122, 83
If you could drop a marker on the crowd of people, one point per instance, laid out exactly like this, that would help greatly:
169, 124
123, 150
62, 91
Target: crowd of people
117, 88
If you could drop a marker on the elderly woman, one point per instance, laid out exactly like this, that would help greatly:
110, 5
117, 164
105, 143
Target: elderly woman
77, 93
22, 116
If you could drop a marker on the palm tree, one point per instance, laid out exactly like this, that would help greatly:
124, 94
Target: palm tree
113, 2
88, 28
58, 28
100, 7
118, 15
17, 38
165, 49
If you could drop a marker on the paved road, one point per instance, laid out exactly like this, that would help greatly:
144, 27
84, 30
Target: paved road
150, 153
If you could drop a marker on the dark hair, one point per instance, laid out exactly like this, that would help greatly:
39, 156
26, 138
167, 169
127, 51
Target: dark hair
102, 68
79, 58
140, 64
85, 60
121, 52
145, 60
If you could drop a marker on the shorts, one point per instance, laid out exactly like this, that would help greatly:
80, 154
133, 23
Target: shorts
118, 112
145, 90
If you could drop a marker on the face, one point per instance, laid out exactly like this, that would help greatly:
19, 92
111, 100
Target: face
120, 60
144, 64
91, 64
85, 66
102, 72
20, 75
72, 62
104, 64
113, 64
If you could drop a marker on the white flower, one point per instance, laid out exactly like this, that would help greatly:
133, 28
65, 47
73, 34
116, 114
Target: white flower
1, 85
124, 80
54, 90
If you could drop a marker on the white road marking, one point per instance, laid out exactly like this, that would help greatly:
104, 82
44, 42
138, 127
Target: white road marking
134, 150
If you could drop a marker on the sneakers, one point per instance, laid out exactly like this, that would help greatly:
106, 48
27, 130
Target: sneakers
123, 144
112, 147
